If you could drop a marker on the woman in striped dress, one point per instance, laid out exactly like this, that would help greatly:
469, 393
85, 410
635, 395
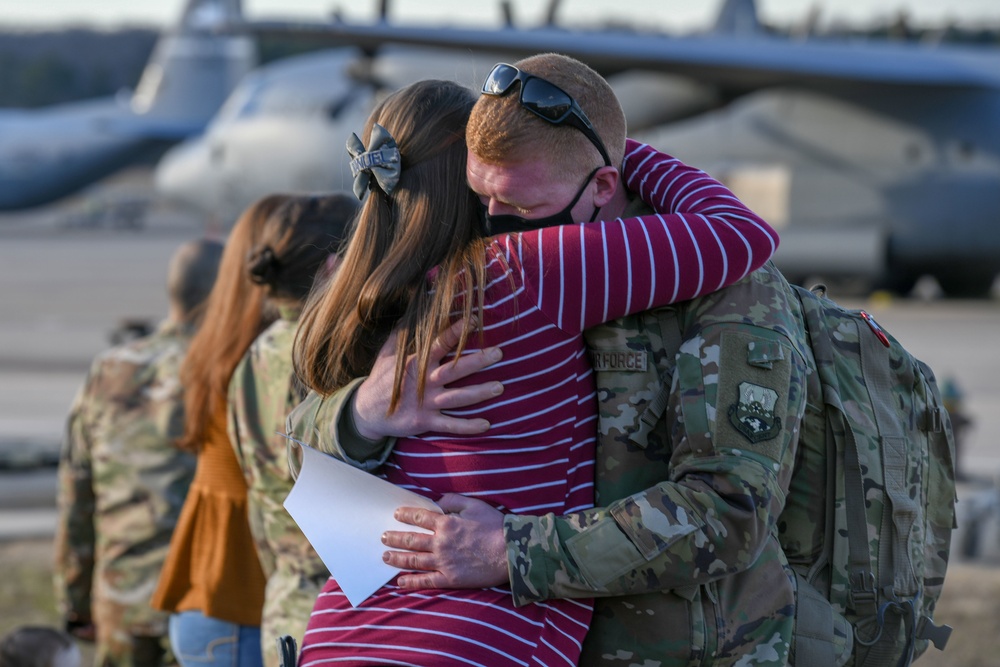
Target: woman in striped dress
418, 261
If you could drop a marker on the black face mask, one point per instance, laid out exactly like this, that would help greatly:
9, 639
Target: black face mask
506, 224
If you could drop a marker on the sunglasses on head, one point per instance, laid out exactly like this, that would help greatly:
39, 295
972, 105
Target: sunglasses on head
544, 99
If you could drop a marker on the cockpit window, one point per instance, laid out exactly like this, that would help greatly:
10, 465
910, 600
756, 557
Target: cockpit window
243, 101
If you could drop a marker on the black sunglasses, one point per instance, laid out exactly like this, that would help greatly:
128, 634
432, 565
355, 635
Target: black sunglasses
544, 99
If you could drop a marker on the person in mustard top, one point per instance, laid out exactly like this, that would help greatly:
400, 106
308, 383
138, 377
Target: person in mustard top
212, 581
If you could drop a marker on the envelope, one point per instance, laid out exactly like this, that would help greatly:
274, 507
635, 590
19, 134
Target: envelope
343, 512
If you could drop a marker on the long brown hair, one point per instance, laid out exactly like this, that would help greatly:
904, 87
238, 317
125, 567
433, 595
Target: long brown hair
429, 220
235, 315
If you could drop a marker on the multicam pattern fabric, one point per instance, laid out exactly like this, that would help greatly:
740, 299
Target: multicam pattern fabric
122, 484
261, 394
883, 408
682, 548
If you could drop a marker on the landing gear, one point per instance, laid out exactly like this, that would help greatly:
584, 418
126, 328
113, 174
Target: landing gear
898, 282
966, 284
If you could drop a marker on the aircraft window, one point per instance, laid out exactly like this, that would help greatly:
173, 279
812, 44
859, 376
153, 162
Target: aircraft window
243, 101
254, 97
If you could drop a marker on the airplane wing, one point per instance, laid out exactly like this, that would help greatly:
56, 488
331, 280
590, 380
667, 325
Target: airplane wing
735, 63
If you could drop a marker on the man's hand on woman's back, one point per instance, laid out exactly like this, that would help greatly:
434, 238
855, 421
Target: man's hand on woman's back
370, 405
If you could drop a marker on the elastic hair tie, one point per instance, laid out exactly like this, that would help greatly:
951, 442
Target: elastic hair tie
263, 266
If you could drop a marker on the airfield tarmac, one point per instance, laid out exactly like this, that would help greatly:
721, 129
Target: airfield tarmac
64, 289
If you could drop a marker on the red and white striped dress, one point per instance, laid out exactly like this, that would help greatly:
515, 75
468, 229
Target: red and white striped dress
545, 288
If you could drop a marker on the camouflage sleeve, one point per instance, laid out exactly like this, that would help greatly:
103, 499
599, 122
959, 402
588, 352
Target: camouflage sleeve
75, 535
240, 432
326, 424
248, 431
736, 400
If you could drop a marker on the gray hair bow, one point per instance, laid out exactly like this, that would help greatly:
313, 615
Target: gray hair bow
381, 160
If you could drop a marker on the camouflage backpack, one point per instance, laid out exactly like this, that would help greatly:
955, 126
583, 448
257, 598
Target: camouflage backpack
868, 520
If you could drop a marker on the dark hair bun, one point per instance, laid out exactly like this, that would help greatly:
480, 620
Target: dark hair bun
263, 265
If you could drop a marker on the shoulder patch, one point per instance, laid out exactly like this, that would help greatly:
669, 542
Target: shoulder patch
753, 412
753, 397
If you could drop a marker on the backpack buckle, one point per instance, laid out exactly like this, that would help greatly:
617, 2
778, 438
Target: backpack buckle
863, 594
935, 634
932, 421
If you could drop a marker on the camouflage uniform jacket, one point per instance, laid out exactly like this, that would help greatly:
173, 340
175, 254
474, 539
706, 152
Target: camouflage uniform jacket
324, 423
122, 484
682, 548
262, 392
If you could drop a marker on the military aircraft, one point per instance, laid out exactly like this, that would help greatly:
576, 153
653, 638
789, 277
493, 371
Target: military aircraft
46, 154
874, 159
286, 125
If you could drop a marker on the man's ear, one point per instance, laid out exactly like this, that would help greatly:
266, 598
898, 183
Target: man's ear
608, 180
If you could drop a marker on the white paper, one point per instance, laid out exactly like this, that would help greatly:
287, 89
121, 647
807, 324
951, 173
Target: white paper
343, 512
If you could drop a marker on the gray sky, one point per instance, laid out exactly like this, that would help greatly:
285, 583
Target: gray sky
667, 14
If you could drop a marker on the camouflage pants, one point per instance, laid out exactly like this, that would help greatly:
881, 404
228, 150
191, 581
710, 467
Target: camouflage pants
288, 602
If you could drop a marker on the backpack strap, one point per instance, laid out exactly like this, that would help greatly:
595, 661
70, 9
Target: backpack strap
880, 612
288, 651
904, 512
864, 589
903, 509
814, 631
899, 590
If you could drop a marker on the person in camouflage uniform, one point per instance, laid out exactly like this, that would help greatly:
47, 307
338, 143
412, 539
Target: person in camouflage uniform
122, 481
683, 545
699, 411
295, 244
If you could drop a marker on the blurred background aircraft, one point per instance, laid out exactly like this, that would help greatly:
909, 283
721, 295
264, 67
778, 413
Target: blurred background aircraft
876, 160
49, 153
286, 125
283, 131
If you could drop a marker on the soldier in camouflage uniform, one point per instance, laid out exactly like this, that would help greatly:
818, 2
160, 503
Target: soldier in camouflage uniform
683, 544
297, 241
699, 411
122, 481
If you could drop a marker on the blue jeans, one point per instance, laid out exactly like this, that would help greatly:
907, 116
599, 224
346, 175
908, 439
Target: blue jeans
202, 641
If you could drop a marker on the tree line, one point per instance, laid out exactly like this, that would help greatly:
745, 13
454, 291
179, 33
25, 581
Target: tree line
38, 69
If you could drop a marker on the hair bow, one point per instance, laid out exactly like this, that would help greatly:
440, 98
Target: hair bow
380, 160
